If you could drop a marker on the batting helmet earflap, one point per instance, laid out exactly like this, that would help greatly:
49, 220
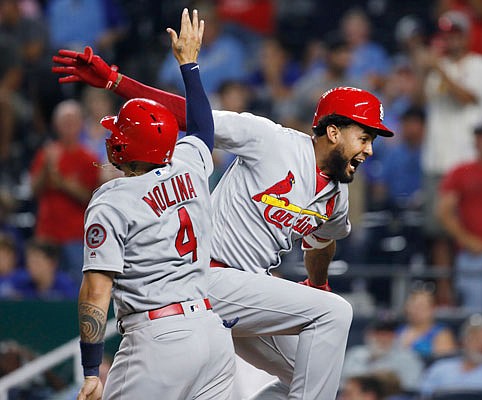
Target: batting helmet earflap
357, 104
143, 130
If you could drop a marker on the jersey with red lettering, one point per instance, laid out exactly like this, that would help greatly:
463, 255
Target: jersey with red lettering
145, 229
272, 194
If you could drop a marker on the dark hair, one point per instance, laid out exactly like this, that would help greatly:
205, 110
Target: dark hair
51, 250
231, 83
335, 41
383, 323
413, 112
340, 122
369, 384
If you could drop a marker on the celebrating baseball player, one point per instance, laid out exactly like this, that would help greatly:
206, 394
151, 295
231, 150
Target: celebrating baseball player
147, 239
284, 185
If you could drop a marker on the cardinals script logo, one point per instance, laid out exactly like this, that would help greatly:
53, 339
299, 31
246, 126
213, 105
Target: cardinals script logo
285, 212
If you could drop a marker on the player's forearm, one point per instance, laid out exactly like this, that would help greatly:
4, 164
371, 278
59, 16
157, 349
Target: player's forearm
94, 300
317, 262
200, 121
129, 88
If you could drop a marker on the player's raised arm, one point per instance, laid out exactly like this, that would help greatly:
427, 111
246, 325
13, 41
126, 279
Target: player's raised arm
186, 48
90, 68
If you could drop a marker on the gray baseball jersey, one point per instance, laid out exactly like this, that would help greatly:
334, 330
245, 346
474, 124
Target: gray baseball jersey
271, 195
146, 230
288, 197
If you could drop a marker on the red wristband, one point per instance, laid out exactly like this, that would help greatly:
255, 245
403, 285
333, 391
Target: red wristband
326, 287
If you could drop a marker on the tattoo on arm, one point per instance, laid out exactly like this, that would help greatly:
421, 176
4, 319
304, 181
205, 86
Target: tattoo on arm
92, 321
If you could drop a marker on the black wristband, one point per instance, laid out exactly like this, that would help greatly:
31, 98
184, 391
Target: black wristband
91, 355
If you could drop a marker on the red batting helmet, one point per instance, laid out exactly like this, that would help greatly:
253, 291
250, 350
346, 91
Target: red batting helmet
142, 131
357, 104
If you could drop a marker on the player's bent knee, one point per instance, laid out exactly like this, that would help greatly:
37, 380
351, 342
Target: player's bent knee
342, 314
346, 312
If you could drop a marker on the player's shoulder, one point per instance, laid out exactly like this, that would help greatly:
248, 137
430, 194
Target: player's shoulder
109, 189
243, 117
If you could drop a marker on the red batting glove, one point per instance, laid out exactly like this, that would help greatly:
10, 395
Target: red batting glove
85, 67
324, 287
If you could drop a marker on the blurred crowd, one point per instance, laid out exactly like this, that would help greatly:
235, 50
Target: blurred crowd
415, 205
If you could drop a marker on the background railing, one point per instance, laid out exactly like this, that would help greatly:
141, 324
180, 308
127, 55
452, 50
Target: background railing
43, 363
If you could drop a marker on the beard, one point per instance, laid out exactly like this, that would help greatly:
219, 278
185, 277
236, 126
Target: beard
337, 165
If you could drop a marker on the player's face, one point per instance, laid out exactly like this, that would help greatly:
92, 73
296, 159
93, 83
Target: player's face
354, 148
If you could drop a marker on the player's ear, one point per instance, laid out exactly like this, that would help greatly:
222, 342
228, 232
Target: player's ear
333, 133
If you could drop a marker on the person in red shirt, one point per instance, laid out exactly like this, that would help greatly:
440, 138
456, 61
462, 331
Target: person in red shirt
63, 177
459, 209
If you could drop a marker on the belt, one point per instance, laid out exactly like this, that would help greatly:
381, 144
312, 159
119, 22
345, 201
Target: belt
172, 309
217, 264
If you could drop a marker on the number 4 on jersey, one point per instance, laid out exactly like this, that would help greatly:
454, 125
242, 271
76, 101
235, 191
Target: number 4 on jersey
185, 240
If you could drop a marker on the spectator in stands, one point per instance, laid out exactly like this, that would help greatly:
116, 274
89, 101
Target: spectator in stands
14, 355
31, 40
460, 213
8, 267
411, 40
42, 278
370, 62
96, 104
222, 56
473, 10
421, 332
454, 104
63, 177
400, 187
10, 79
362, 387
401, 90
298, 112
274, 75
380, 353
8, 205
74, 24
232, 96
463, 372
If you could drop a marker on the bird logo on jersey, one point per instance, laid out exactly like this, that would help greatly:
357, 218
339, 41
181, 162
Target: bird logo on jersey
282, 217
282, 187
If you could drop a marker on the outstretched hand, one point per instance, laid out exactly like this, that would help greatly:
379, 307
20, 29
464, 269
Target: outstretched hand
85, 67
186, 46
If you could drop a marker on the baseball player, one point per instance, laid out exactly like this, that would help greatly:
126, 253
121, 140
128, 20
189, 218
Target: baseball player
147, 239
284, 185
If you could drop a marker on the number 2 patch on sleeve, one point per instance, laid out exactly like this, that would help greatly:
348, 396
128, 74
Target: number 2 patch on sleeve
95, 236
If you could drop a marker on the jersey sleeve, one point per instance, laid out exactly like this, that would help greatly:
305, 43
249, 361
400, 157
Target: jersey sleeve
194, 151
244, 134
104, 237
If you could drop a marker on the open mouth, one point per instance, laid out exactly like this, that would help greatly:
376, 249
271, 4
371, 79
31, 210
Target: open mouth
354, 163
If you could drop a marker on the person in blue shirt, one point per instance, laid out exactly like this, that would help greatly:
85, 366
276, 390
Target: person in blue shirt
458, 373
370, 62
400, 186
42, 278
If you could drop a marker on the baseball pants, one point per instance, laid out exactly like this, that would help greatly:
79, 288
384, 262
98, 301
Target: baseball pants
179, 357
310, 363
